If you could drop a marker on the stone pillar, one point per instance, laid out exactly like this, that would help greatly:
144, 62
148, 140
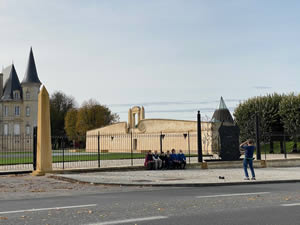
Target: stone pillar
142, 113
129, 125
44, 150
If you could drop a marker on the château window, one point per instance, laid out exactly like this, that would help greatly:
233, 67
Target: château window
6, 110
17, 110
5, 129
17, 129
27, 111
27, 129
16, 95
27, 95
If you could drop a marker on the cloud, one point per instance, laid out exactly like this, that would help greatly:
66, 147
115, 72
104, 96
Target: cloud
262, 87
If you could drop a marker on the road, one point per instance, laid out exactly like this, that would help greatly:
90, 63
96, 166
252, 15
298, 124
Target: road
274, 204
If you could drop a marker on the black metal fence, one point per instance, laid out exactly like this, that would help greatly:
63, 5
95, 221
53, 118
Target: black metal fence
119, 150
279, 145
16, 152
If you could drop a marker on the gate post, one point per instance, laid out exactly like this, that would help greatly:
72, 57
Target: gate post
34, 141
98, 139
161, 139
258, 153
189, 147
199, 139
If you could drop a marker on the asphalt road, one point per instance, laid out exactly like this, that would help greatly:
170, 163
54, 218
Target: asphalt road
273, 204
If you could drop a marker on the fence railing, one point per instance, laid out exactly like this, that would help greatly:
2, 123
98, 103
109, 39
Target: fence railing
16, 152
279, 146
118, 150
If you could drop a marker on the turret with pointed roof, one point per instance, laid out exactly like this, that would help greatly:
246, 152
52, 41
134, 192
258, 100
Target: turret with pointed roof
12, 83
222, 114
31, 75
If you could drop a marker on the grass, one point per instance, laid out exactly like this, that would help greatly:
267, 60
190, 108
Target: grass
14, 161
94, 156
76, 157
289, 147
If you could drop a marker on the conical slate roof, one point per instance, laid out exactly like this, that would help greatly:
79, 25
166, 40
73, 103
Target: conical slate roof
12, 84
222, 114
31, 75
222, 104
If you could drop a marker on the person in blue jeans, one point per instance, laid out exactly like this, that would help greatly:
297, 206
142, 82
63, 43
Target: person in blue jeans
248, 147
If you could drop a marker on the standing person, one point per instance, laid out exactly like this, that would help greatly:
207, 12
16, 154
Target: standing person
157, 160
182, 159
248, 147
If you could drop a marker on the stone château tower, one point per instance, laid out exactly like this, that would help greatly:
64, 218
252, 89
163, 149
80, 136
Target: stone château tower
19, 101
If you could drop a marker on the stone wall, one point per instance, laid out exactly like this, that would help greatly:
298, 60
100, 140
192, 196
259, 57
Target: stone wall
178, 134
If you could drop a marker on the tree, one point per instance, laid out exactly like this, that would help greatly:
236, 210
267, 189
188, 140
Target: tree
289, 109
267, 108
70, 123
60, 104
93, 115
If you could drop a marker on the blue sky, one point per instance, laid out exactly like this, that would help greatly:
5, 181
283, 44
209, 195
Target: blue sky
172, 56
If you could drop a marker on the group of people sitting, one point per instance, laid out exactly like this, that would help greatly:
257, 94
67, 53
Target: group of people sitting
154, 161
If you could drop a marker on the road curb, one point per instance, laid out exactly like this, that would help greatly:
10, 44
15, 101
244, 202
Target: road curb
73, 180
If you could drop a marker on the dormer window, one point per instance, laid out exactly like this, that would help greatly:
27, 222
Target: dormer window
16, 95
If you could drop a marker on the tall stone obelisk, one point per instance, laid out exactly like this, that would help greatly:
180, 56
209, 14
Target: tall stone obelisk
44, 151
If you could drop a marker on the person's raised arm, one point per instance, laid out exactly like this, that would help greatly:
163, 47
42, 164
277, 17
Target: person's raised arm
245, 142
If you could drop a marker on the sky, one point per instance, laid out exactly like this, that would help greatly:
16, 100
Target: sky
174, 57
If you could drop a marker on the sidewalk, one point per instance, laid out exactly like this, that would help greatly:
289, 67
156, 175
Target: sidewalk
188, 177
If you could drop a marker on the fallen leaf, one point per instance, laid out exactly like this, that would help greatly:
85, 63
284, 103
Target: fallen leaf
3, 218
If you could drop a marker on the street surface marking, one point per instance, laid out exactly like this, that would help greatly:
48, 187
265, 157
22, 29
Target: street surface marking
44, 209
292, 204
130, 220
228, 195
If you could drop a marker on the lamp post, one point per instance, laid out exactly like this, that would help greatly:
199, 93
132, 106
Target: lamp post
258, 153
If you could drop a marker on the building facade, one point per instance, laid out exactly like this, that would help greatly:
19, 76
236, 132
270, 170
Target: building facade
18, 106
140, 135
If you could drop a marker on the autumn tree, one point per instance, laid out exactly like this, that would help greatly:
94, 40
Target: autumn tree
93, 115
70, 123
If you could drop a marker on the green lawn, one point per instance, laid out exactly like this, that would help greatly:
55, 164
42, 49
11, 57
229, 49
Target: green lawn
14, 161
94, 156
288, 144
75, 157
